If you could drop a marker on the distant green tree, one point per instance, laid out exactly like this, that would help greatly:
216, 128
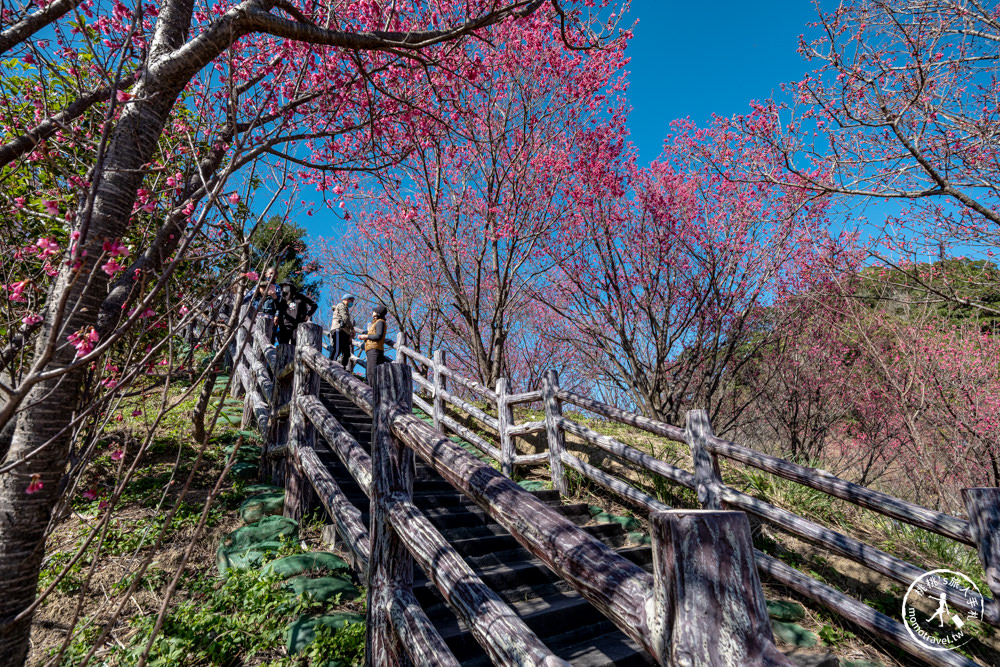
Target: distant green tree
957, 289
281, 244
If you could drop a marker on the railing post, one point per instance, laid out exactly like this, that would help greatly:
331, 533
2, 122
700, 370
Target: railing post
983, 506
439, 385
505, 418
253, 352
707, 476
391, 565
400, 342
264, 327
708, 606
299, 494
554, 431
236, 389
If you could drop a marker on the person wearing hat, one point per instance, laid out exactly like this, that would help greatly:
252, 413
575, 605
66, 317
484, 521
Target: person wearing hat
342, 330
375, 342
294, 308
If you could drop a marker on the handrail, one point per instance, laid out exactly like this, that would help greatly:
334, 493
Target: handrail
821, 480
618, 589
621, 416
488, 617
712, 492
535, 525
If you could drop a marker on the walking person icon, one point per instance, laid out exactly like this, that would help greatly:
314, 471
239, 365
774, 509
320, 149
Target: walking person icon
942, 608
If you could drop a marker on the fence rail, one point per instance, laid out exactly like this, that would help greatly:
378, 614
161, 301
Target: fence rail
983, 505
645, 607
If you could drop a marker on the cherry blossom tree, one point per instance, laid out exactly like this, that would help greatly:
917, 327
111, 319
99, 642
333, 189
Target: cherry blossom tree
664, 270
144, 112
902, 107
461, 219
896, 395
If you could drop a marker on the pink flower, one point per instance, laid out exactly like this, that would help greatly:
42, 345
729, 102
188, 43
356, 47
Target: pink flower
16, 291
234, 198
31, 319
115, 248
149, 312
137, 413
51, 207
103, 505
35, 485
252, 275
184, 311
90, 494
123, 96
46, 247
110, 383
49, 269
111, 267
118, 417
83, 340
117, 455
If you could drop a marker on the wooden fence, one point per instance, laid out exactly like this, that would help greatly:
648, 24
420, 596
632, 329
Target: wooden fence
981, 530
281, 387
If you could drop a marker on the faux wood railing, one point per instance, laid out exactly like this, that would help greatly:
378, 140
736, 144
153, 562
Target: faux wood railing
981, 530
703, 605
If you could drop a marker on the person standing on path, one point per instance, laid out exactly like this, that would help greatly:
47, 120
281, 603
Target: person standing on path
375, 342
293, 309
342, 330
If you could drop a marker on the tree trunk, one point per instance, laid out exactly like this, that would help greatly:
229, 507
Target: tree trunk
46, 411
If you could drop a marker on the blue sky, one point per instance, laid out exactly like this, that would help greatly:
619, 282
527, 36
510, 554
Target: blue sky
693, 59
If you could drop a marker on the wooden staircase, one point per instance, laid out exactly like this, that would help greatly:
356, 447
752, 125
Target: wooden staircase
569, 625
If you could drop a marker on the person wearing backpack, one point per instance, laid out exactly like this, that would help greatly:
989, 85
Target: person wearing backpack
342, 330
375, 342
294, 308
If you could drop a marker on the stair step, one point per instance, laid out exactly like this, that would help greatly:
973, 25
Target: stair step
583, 649
566, 622
610, 534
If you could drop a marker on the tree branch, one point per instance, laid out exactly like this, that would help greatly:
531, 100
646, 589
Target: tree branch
12, 150
32, 23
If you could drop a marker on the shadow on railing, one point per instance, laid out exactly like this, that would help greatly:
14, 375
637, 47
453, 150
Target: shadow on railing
729, 626
983, 505
282, 385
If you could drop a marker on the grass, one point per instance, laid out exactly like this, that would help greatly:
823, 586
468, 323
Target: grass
210, 622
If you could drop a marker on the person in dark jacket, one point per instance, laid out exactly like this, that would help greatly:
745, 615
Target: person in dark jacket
375, 342
294, 308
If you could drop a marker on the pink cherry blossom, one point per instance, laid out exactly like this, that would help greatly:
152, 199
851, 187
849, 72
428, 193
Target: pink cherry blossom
15, 291
84, 340
111, 267
35, 485
46, 247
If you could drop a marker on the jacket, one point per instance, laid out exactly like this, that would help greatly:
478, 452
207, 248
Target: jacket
377, 330
342, 319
